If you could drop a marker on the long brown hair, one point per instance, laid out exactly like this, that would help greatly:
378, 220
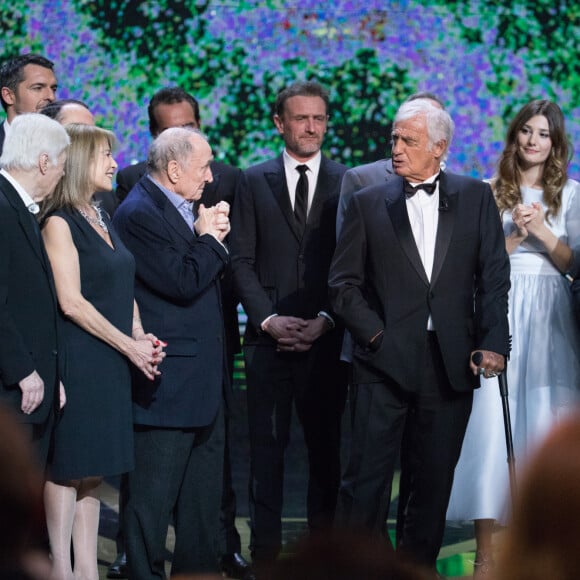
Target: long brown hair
76, 182
507, 182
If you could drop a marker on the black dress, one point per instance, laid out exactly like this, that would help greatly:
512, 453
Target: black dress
94, 434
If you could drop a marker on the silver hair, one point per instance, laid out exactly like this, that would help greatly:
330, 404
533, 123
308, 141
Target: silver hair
440, 126
30, 136
173, 144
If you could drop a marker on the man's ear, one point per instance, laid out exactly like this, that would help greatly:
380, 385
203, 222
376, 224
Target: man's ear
173, 171
439, 148
43, 163
8, 95
279, 124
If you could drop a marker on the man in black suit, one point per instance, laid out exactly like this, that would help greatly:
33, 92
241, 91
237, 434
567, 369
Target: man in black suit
420, 277
283, 238
27, 83
174, 107
178, 417
32, 164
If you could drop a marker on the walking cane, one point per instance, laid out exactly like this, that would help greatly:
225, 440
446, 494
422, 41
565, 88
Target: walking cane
476, 358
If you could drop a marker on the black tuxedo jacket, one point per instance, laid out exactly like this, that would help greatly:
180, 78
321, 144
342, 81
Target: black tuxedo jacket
223, 187
28, 308
378, 283
276, 269
176, 288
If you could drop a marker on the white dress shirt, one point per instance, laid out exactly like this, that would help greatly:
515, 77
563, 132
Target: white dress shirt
423, 210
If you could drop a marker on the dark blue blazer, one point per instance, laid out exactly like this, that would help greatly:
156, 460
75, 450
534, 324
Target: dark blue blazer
176, 288
28, 308
223, 187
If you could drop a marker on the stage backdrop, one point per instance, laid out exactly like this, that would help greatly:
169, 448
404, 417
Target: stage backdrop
484, 58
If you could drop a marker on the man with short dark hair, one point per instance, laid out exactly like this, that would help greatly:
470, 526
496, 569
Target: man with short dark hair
283, 238
169, 107
27, 84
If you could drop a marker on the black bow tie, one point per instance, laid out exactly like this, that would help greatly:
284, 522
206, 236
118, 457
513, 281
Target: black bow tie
411, 190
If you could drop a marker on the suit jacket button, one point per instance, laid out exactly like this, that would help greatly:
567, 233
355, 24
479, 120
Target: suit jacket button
55, 352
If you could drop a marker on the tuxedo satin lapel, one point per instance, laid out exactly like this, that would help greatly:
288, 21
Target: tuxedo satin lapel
326, 187
447, 215
397, 208
277, 182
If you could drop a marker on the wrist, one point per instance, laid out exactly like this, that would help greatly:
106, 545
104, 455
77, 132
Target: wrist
266, 322
327, 319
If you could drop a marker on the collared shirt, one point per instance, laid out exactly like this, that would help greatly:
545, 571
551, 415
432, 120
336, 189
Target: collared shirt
292, 175
24, 196
183, 206
423, 210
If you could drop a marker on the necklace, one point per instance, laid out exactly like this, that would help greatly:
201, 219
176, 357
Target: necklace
95, 221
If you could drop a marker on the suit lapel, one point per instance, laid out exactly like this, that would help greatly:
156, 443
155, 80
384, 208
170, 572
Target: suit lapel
210, 191
397, 209
27, 221
326, 187
447, 215
276, 179
169, 211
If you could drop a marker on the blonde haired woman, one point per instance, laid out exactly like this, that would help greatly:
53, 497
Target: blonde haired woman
93, 273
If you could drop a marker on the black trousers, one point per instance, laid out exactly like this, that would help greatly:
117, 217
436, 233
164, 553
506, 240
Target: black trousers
178, 472
427, 424
315, 383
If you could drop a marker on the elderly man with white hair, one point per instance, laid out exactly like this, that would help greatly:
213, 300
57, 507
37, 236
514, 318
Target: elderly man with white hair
420, 277
32, 163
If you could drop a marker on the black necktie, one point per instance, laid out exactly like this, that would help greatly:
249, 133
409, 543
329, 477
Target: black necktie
428, 188
301, 199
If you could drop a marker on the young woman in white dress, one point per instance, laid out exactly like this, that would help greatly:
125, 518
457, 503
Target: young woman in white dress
540, 209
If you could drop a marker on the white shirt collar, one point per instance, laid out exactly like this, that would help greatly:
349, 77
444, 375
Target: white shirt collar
24, 196
290, 163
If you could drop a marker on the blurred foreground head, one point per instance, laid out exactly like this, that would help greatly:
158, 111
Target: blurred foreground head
21, 481
543, 540
343, 555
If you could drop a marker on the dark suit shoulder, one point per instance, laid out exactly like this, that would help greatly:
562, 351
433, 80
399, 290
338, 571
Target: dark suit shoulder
462, 182
128, 177
271, 165
224, 168
382, 165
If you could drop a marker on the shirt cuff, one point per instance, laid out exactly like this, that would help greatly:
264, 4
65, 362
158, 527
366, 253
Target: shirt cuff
266, 320
329, 320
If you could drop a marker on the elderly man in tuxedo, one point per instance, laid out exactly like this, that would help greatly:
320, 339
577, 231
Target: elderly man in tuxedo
283, 239
178, 417
420, 278
372, 173
32, 163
